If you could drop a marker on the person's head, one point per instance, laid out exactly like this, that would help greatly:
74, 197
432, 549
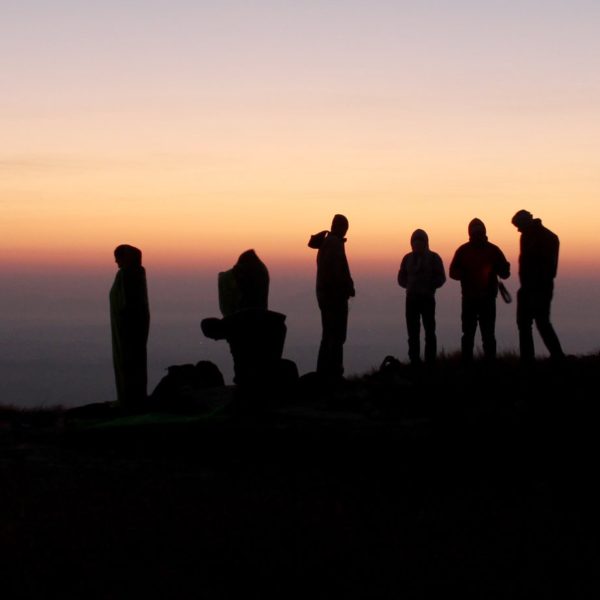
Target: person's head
522, 219
419, 241
477, 231
128, 256
339, 225
249, 258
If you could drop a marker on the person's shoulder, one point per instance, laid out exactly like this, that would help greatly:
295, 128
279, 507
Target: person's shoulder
333, 241
492, 246
495, 249
549, 233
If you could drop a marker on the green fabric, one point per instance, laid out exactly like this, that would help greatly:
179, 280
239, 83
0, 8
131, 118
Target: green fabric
229, 293
130, 321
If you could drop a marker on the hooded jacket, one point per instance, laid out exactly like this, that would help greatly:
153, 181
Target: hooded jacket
421, 273
334, 282
252, 279
478, 264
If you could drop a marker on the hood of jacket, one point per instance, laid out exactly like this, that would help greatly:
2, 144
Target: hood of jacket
417, 235
477, 232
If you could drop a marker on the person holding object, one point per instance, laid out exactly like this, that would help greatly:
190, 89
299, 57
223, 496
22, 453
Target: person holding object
538, 264
477, 265
334, 288
421, 274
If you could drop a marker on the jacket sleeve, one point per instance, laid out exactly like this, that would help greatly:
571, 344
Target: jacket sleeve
455, 270
402, 273
439, 275
553, 256
502, 265
349, 281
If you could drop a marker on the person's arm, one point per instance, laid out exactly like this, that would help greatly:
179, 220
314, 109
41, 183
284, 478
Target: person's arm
349, 281
402, 273
340, 270
455, 270
439, 275
554, 256
502, 265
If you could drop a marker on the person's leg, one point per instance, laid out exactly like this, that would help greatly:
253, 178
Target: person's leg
324, 358
413, 327
428, 313
135, 375
339, 338
469, 326
541, 314
524, 323
487, 325
334, 319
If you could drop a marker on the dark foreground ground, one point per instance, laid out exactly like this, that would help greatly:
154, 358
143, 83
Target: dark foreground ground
479, 482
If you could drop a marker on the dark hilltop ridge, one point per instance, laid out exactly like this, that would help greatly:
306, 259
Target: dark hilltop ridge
405, 482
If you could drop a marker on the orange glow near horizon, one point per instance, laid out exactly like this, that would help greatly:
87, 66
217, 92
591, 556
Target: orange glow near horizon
57, 219
369, 252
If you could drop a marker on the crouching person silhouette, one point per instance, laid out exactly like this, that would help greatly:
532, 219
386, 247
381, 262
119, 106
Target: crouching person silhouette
421, 274
334, 288
255, 335
130, 324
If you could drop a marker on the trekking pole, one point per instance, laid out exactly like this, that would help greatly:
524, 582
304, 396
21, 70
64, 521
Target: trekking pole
504, 293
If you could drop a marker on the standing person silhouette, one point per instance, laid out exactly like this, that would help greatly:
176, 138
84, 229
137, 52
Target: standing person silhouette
130, 324
538, 264
334, 288
477, 265
421, 274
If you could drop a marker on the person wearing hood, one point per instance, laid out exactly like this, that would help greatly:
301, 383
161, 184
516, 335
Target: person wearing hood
130, 324
245, 286
421, 274
334, 288
538, 264
255, 334
252, 279
477, 265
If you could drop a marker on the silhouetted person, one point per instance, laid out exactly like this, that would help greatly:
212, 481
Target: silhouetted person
255, 334
130, 323
244, 286
421, 273
538, 263
256, 338
252, 278
477, 265
334, 288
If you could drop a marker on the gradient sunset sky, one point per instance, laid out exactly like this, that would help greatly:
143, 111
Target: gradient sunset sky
197, 129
